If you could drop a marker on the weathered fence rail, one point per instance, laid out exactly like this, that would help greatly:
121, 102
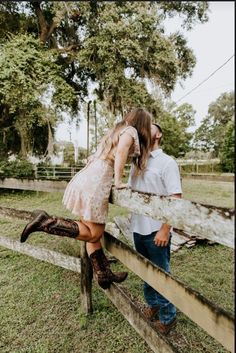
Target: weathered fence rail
33, 184
116, 294
214, 320
213, 223
207, 221
50, 256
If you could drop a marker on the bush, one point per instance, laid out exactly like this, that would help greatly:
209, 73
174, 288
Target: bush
20, 168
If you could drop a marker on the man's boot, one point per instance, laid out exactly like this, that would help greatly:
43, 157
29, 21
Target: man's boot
102, 270
52, 225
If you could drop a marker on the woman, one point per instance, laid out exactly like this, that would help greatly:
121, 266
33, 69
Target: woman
87, 194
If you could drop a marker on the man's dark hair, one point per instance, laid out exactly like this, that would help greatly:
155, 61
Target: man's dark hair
158, 126
160, 130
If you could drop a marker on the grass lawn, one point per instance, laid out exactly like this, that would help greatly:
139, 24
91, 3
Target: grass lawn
40, 303
218, 193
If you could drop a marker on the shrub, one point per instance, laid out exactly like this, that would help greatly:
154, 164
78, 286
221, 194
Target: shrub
20, 168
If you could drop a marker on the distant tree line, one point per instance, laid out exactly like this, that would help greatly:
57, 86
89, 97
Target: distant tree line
217, 133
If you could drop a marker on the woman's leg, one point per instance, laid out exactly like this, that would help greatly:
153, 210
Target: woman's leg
91, 247
98, 259
84, 232
80, 230
60, 226
96, 232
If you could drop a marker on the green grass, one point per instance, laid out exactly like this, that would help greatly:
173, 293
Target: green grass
218, 193
40, 303
40, 312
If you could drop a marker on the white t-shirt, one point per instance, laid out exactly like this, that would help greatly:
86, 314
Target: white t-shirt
161, 177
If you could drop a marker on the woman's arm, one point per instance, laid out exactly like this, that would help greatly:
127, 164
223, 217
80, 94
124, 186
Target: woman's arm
125, 142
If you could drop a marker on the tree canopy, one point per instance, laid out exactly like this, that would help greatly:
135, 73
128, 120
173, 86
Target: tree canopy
211, 133
27, 73
68, 50
227, 150
175, 124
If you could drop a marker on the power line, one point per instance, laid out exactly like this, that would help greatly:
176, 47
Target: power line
205, 79
212, 88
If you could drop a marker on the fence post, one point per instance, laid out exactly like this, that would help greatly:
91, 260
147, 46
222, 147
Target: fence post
85, 281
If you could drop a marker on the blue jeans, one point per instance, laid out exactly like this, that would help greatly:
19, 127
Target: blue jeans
160, 256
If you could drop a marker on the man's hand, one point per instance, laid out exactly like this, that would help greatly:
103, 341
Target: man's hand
162, 237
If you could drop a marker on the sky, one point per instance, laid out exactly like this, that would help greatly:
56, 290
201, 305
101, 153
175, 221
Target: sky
213, 45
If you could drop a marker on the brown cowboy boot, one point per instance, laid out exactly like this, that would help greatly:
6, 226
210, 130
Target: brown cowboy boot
117, 277
99, 269
150, 313
165, 328
110, 276
52, 225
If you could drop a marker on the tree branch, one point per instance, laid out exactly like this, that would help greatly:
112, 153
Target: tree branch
68, 49
46, 30
42, 22
53, 26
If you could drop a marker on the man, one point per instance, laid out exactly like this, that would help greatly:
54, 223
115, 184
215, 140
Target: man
151, 237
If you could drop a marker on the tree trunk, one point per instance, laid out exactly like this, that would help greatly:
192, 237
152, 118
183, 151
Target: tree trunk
46, 30
50, 140
24, 142
96, 128
88, 124
25, 138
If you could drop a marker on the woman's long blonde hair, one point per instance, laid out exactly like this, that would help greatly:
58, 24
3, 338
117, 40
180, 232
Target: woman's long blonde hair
140, 119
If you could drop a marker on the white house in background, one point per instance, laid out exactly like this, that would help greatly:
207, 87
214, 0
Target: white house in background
58, 159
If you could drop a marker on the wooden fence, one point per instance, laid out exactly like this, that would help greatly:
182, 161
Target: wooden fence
199, 166
188, 167
213, 223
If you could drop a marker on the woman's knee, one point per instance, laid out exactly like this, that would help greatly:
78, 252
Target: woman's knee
96, 236
96, 231
83, 229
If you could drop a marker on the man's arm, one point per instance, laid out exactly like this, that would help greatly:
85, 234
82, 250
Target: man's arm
163, 235
172, 181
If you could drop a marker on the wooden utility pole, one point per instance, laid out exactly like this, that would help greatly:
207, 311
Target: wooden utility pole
95, 118
88, 116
